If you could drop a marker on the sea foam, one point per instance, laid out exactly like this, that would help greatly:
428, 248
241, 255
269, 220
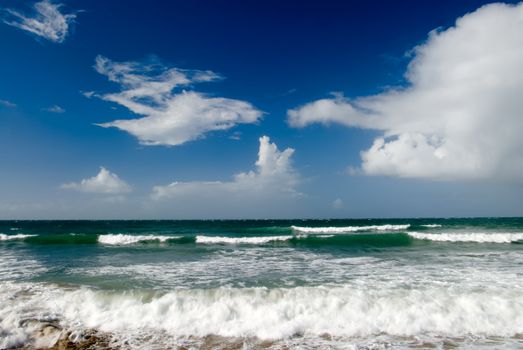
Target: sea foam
269, 313
347, 229
4, 237
123, 239
469, 237
240, 240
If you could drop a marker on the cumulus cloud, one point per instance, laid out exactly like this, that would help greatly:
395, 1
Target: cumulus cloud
461, 114
55, 109
169, 117
8, 104
46, 22
273, 176
104, 182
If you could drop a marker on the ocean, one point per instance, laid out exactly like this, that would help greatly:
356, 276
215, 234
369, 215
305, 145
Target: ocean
262, 284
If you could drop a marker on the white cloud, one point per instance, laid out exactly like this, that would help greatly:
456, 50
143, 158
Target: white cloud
6, 103
54, 109
104, 182
47, 22
169, 118
88, 94
236, 136
461, 115
274, 176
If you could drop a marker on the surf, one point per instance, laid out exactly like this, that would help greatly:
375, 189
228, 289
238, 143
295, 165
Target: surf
267, 314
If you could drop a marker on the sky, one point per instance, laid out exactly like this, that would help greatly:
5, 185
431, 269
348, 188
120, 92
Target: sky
260, 109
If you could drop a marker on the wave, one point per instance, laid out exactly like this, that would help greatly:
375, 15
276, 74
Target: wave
354, 240
280, 313
123, 239
4, 237
431, 225
314, 240
241, 240
70, 238
321, 236
347, 229
376, 240
469, 237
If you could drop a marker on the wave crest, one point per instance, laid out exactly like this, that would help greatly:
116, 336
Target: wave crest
469, 237
240, 240
123, 239
4, 237
347, 229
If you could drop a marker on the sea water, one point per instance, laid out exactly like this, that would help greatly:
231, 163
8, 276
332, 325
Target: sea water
278, 284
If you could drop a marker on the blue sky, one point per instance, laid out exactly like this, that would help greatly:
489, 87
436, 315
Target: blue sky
159, 109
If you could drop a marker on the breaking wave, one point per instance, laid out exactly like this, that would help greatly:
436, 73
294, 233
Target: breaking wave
347, 229
123, 239
241, 240
4, 237
305, 236
469, 237
265, 313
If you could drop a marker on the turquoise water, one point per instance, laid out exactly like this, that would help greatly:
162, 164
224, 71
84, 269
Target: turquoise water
388, 283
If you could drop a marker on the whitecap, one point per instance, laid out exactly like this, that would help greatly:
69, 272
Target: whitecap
240, 240
481, 237
347, 229
123, 239
4, 237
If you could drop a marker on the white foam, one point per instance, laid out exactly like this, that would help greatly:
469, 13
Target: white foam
469, 237
14, 266
431, 225
350, 228
240, 240
271, 313
123, 239
4, 237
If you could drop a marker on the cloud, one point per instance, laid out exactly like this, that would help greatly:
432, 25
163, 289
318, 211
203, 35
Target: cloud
8, 104
337, 203
54, 109
274, 176
236, 136
88, 94
47, 22
169, 118
461, 114
105, 182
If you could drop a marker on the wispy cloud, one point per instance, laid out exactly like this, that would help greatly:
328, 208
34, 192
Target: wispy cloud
6, 103
104, 182
54, 109
88, 94
47, 21
237, 135
170, 117
461, 115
